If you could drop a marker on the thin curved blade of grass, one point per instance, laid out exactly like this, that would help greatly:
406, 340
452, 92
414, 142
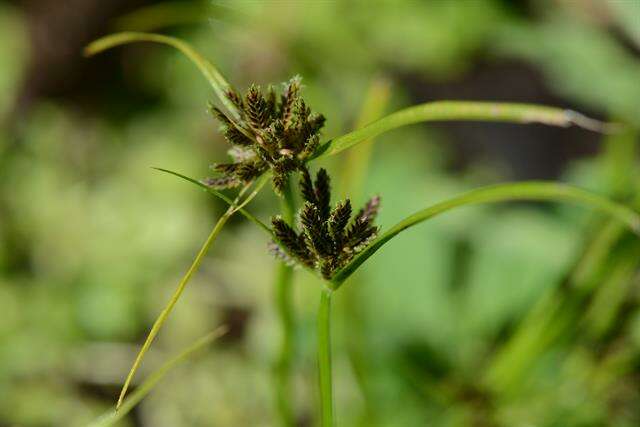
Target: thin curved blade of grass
219, 195
532, 190
111, 417
157, 325
466, 110
219, 84
162, 318
240, 208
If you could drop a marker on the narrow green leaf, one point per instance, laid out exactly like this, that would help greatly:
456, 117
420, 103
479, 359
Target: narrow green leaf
219, 84
465, 110
164, 314
219, 195
263, 179
496, 193
111, 417
162, 318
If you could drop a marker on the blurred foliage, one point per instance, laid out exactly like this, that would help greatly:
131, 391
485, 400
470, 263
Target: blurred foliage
502, 315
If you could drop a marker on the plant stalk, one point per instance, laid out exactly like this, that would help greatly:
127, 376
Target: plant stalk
324, 358
282, 368
172, 302
285, 313
236, 205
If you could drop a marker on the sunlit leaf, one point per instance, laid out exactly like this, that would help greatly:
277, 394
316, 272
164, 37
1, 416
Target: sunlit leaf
492, 194
465, 110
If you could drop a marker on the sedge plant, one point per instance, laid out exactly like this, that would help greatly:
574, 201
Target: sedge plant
276, 136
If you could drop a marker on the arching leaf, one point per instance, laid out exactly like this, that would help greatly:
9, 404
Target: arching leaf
237, 204
532, 190
465, 110
219, 195
219, 84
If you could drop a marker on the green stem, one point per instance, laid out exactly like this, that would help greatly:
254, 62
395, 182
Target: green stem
282, 374
285, 313
162, 318
172, 302
324, 358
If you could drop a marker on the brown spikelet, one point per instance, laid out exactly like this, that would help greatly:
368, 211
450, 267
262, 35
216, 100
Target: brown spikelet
306, 186
339, 219
316, 230
289, 98
271, 102
246, 171
236, 137
323, 193
331, 240
221, 183
235, 99
370, 209
256, 108
291, 241
358, 234
225, 168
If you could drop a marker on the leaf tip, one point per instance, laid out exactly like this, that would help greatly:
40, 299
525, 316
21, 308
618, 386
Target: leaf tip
89, 50
594, 125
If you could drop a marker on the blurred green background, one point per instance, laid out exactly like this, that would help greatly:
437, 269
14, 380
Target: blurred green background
511, 315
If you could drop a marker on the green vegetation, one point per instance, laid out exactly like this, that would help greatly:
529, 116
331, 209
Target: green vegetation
505, 314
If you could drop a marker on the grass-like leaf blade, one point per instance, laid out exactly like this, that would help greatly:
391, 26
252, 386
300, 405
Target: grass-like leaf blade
236, 205
465, 110
219, 84
111, 417
531, 190
219, 195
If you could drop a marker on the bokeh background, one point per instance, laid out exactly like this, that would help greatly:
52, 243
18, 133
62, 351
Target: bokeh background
511, 315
